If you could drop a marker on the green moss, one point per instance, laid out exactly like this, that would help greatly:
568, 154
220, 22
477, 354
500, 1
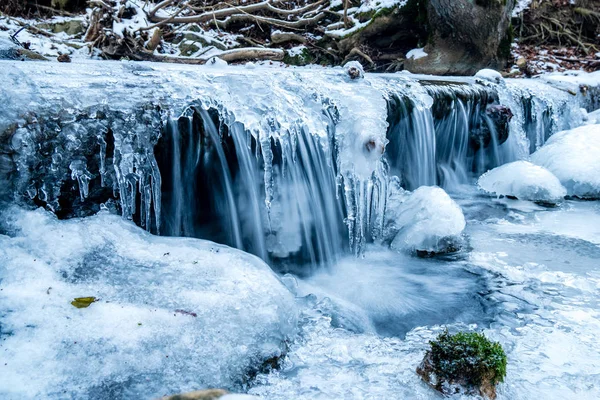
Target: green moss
505, 44
468, 356
304, 58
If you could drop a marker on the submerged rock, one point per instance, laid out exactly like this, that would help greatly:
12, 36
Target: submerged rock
525, 181
574, 157
209, 394
168, 315
466, 362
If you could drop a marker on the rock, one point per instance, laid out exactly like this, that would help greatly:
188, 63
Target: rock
64, 58
9, 51
521, 63
492, 127
574, 157
71, 27
464, 363
525, 181
165, 317
426, 221
465, 37
490, 75
210, 394
354, 70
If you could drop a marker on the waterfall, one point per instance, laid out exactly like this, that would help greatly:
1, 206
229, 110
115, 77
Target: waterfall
293, 166
276, 199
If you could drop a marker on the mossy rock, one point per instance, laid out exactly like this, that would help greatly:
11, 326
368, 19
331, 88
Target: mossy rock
466, 362
305, 57
210, 394
187, 48
71, 28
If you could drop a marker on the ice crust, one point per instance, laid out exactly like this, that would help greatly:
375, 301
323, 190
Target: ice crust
574, 157
426, 220
524, 181
173, 314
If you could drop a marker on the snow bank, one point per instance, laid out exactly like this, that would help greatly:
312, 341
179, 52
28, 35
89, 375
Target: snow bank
574, 157
428, 220
524, 181
173, 314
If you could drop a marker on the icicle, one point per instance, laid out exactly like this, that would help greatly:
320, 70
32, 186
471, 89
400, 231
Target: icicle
80, 173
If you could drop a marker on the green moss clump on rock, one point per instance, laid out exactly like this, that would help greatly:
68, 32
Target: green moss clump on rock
465, 361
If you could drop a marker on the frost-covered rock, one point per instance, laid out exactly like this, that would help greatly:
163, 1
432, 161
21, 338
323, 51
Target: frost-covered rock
428, 220
168, 315
523, 180
354, 70
490, 75
574, 157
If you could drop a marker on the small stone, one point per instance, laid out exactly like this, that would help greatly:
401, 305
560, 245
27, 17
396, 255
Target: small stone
521, 63
64, 58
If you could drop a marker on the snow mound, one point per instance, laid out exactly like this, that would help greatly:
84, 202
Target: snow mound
524, 181
427, 221
416, 53
172, 314
490, 75
574, 157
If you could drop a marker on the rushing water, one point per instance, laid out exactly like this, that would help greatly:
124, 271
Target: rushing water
298, 168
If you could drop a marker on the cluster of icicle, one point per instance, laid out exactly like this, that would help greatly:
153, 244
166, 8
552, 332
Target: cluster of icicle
51, 149
305, 171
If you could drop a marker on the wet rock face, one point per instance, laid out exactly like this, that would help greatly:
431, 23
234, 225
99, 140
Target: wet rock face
493, 126
465, 37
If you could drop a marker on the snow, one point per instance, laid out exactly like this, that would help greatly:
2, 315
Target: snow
173, 315
574, 157
427, 220
490, 75
296, 50
524, 181
521, 6
416, 53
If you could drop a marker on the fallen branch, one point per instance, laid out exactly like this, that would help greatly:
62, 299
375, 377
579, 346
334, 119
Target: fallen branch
251, 53
278, 38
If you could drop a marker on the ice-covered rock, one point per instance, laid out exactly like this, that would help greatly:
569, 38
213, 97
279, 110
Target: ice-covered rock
354, 70
574, 157
523, 180
428, 220
168, 315
490, 75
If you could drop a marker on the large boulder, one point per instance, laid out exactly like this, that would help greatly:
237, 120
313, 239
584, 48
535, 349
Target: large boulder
574, 157
97, 308
465, 36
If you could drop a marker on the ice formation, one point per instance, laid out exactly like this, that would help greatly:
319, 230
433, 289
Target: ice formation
322, 154
523, 180
427, 220
171, 314
574, 157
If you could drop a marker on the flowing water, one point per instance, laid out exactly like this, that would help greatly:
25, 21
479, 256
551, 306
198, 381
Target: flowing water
297, 168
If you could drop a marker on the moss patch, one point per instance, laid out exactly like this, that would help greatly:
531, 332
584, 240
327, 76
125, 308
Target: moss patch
469, 357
